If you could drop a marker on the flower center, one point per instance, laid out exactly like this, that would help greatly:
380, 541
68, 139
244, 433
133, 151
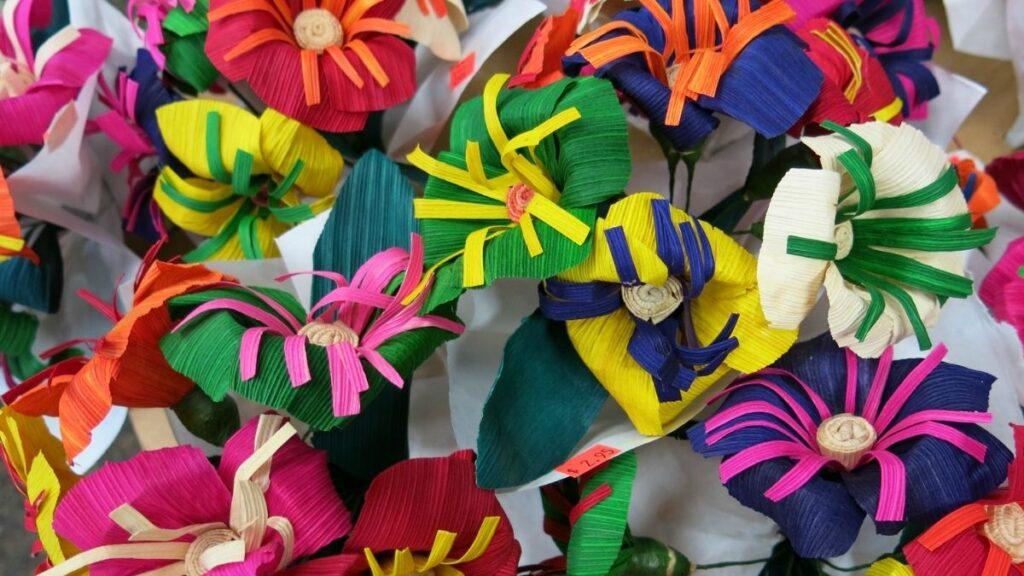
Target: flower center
846, 438
1005, 529
653, 303
327, 333
844, 239
317, 29
15, 79
517, 199
194, 565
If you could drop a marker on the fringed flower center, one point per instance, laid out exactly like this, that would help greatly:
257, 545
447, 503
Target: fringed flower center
653, 303
518, 198
15, 79
318, 29
328, 333
843, 239
1005, 529
846, 438
195, 564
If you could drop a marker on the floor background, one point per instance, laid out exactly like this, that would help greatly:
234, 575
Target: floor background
981, 134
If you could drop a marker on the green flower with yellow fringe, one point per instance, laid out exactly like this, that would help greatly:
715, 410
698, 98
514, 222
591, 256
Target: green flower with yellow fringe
517, 195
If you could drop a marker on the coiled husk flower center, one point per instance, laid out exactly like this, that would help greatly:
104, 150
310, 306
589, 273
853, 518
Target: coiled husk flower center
653, 303
329, 333
317, 29
846, 438
1005, 529
517, 200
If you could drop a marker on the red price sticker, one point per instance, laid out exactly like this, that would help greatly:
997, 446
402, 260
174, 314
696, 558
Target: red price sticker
588, 460
461, 70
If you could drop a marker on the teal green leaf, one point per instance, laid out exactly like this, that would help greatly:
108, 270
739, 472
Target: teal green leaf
373, 212
542, 403
597, 535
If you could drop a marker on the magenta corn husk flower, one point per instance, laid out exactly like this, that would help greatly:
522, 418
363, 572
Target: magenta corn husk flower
38, 84
352, 323
823, 438
269, 502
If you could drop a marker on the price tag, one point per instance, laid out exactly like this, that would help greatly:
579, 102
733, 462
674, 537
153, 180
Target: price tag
588, 460
461, 70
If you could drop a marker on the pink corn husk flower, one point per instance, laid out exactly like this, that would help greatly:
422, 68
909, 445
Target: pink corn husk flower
37, 85
1003, 289
153, 13
351, 322
270, 500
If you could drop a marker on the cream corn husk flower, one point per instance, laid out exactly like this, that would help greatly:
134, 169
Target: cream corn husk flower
883, 226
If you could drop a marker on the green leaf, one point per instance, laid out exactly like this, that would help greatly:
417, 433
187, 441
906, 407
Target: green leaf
17, 331
373, 212
785, 562
597, 534
374, 440
211, 421
648, 557
542, 381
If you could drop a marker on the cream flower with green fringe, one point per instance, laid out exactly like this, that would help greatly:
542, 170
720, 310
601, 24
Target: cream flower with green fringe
248, 178
882, 226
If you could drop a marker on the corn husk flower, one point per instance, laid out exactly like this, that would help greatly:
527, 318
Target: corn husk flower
517, 194
11, 242
982, 538
435, 24
269, 502
326, 63
882, 226
823, 438
682, 62
978, 186
662, 309
249, 177
38, 83
36, 464
126, 367
856, 88
427, 516
323, 366
900, 34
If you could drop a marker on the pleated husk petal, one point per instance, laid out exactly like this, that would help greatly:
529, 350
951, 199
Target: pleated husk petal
804, 204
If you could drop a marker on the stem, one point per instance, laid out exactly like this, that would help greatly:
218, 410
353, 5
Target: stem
691, 167
850, 569
673, 167
729, 564
238, 95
